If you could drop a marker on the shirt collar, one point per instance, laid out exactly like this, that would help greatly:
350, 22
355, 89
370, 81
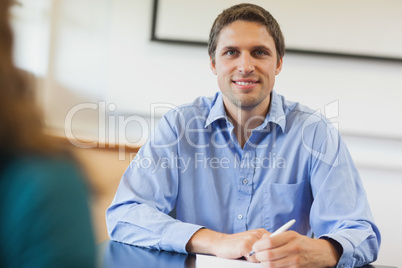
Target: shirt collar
276, 114
217, 110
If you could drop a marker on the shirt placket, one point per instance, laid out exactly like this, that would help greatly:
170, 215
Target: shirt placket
245, 187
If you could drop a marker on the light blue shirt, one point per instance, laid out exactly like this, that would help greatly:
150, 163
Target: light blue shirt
293, 166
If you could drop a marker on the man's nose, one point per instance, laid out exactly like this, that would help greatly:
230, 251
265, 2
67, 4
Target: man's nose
246, 64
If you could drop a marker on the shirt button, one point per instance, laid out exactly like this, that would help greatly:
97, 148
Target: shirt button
245, 181
240, 216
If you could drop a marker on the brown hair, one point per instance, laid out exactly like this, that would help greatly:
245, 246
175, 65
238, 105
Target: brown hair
246, 12
21, 126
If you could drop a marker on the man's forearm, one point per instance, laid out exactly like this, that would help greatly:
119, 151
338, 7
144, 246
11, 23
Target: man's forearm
231, 246
203, 241
329, 252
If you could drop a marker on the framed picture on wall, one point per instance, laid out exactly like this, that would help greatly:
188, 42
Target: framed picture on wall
362, 28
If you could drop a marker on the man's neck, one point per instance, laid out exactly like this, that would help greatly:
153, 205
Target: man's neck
245, 120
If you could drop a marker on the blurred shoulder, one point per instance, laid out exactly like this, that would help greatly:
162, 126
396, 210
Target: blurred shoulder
43, 173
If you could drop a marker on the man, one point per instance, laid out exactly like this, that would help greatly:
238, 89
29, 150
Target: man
241, 164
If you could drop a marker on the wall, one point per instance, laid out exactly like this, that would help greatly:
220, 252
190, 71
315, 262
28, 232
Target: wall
106, 63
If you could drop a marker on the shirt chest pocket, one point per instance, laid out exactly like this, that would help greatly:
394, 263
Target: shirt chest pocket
283, 202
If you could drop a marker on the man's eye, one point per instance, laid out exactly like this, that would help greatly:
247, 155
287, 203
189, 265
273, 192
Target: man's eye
261, 53
230, 53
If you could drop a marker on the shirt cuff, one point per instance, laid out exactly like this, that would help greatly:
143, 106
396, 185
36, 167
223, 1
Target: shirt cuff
177, 235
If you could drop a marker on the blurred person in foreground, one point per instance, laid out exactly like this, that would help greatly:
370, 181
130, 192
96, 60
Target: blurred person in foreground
45, 217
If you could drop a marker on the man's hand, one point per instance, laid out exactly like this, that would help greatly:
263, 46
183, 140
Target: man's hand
230, 246
291, 249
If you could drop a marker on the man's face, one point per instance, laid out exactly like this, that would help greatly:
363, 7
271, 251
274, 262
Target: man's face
246, 64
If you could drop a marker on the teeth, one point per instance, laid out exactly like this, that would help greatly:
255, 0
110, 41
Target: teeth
244, 83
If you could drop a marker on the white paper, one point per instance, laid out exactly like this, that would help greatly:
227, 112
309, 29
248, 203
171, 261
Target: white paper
207, 261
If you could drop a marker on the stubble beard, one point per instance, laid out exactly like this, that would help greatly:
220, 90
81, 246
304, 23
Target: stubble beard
245, 102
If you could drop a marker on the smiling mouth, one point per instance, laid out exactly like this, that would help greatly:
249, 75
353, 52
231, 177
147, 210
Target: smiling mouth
245, 83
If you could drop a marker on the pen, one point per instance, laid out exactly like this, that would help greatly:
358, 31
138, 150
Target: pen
279, 231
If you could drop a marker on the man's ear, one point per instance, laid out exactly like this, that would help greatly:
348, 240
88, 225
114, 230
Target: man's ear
212, 65
279, 66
